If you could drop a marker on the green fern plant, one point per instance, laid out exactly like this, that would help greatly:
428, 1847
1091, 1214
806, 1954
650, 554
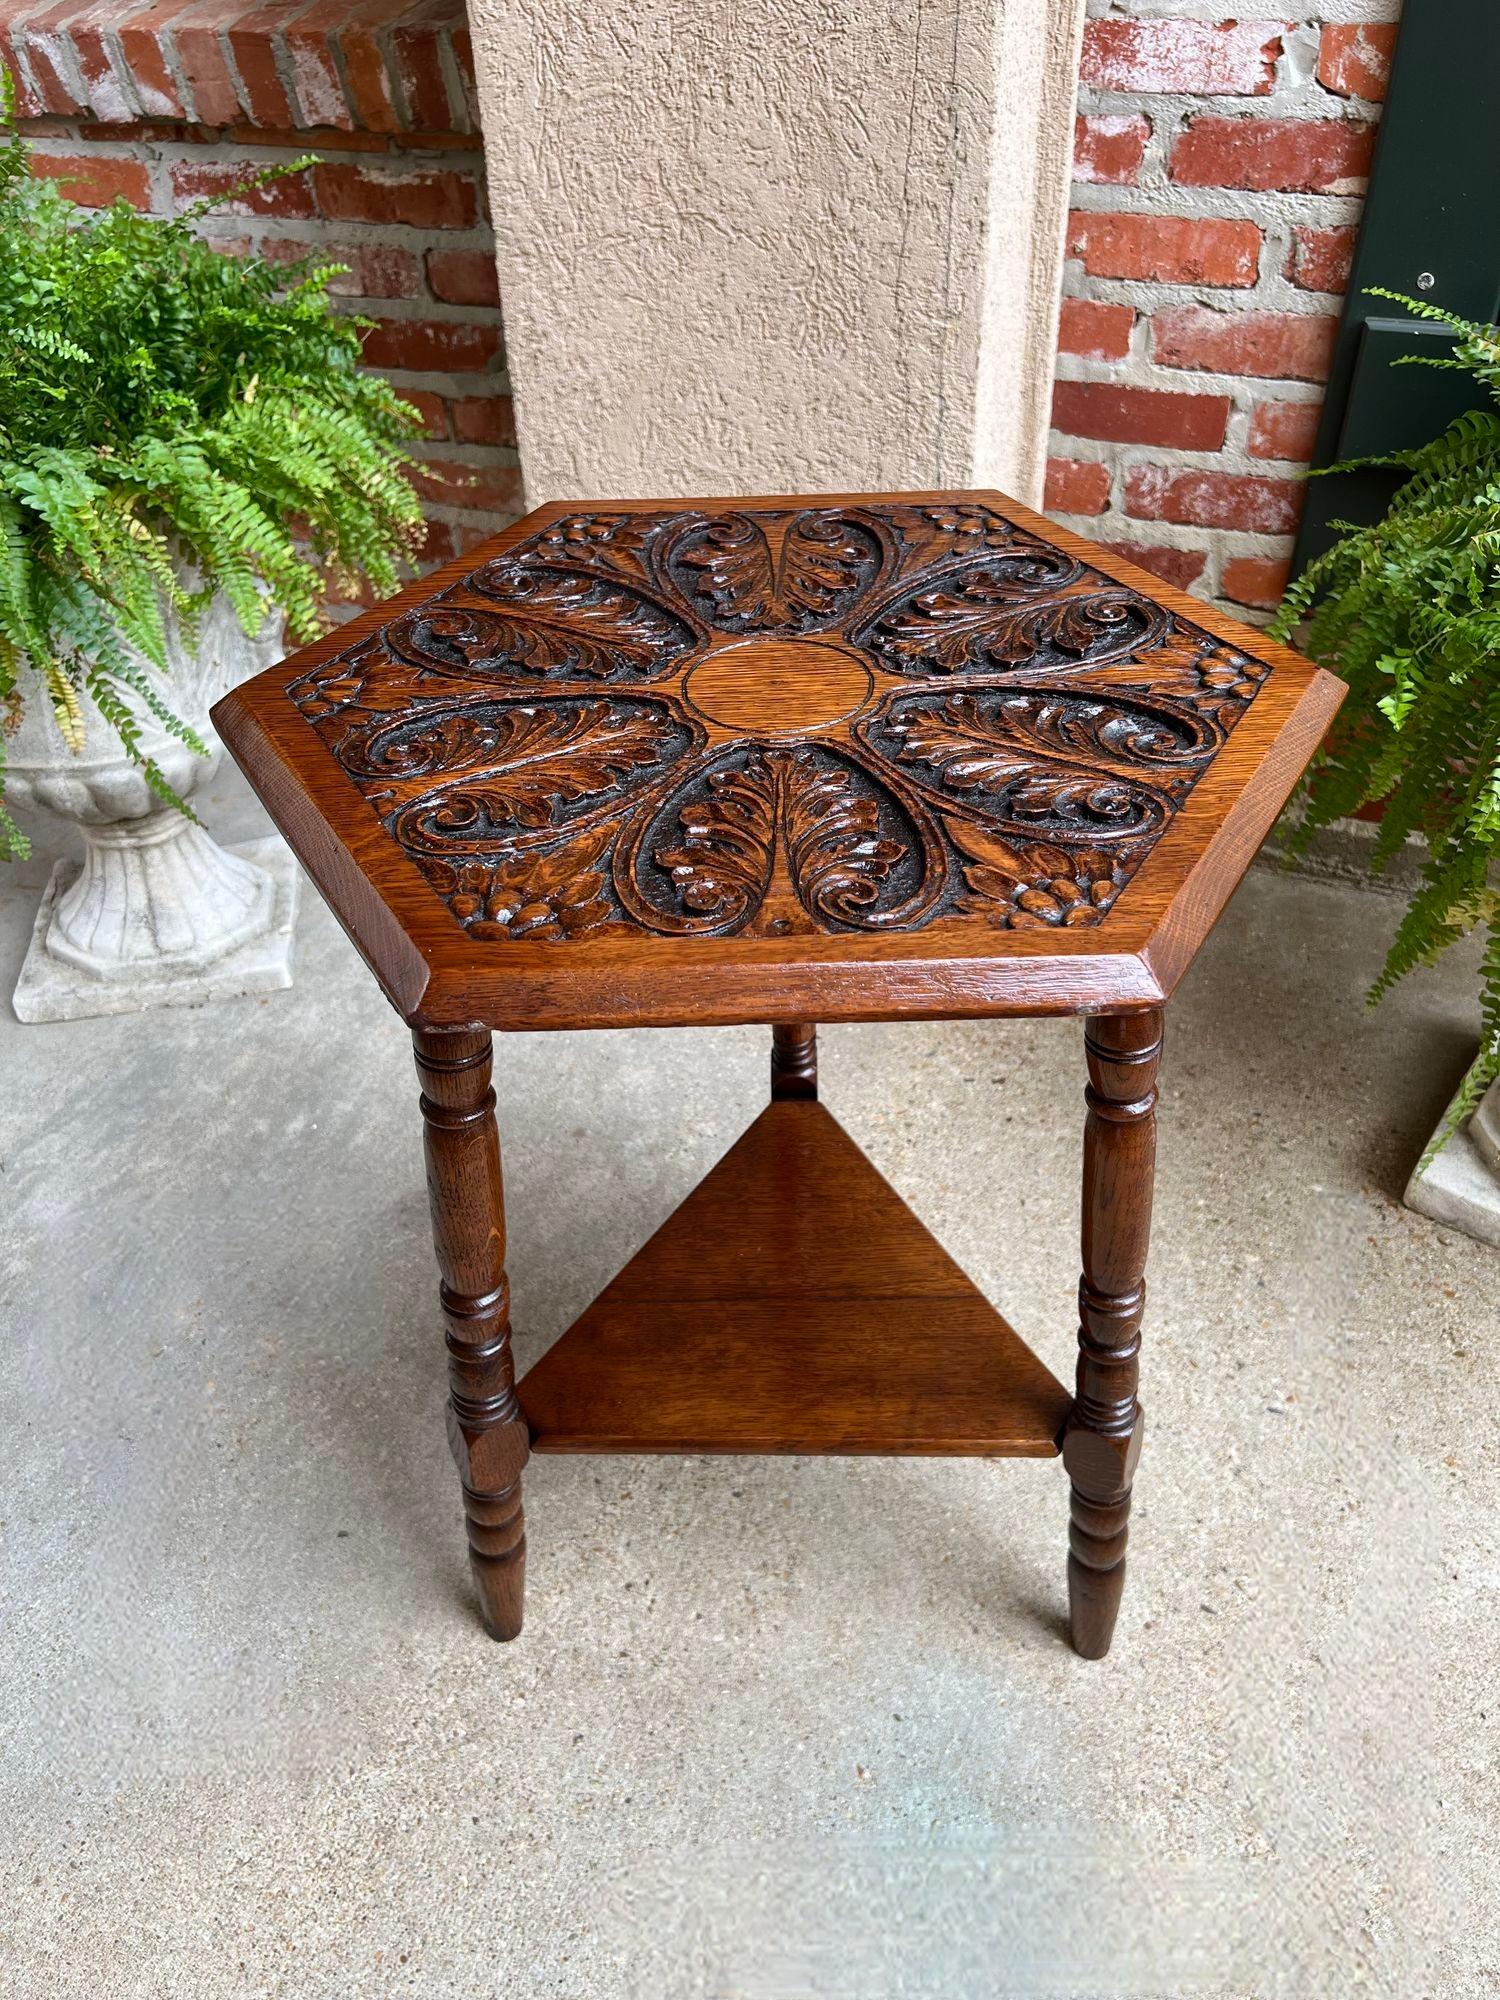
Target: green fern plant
174, 422
1408, 612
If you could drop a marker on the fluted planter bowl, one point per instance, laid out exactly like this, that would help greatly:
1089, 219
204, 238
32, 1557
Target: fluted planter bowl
157, 912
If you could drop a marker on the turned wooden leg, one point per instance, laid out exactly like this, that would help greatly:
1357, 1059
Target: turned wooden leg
485, 1427
794, 1060
1103, 1437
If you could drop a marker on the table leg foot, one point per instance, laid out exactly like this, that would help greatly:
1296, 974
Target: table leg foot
1101, 1470
1096, 1572
497, 1556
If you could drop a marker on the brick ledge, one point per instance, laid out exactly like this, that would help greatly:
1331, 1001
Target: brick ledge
388, 66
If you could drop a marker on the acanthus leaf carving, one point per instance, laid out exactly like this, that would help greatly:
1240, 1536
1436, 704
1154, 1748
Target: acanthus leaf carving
350, 680
1029, 563
1067, 722
443, 740
537, 760
544, 622
1033, 885
1189, 674
974, 623
1228, 679
836, 853
549, 896
827, 835
777, 573
1026, 757
720, 863
611, 541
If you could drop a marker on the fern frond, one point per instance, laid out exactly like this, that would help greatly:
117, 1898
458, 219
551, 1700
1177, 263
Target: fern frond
67, 707
118, 715
174, 422
1407, 609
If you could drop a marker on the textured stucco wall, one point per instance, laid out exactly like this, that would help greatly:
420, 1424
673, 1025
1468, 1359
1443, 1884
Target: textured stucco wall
762, 244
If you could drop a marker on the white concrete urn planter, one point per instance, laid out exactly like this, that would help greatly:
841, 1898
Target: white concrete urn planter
156, 914
1460, 1184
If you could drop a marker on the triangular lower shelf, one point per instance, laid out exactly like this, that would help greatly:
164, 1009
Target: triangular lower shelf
793, 1303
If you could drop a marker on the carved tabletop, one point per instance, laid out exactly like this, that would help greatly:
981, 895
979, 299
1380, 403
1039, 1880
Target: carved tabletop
725, 760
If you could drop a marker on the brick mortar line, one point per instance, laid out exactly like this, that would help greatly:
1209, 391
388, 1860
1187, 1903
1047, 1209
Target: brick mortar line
1176, 458
458, 93
453, 386
1271, 291
404, 164
1218, 546
1331, 13
1292, 96
176, 69
225, 50
162, 129
1187, 536
454, 451
395, 70
421, 311
382, 168
1172, 111
1167, 199
359, 235
1170, 459
334, 45
1138, 370
1117, 456
1157, 376
121, 74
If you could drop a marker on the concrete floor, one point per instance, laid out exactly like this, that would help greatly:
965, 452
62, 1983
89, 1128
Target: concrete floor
776, 1728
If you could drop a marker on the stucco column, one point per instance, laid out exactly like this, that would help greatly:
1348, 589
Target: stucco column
778, 244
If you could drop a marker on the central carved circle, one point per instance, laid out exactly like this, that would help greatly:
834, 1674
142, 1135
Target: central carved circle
779, 687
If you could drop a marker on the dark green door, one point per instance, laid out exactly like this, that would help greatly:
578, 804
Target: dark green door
1431, 229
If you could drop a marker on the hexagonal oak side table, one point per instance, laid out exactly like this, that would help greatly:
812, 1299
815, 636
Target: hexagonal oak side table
840, 758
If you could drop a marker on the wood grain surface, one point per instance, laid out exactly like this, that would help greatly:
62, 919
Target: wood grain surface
793, 1303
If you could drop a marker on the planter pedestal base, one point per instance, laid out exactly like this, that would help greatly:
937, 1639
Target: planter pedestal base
1461, 1185
53, 989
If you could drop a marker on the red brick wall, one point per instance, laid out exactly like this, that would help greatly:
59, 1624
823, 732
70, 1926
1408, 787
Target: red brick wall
1220, 169
165, 104
1221, 166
